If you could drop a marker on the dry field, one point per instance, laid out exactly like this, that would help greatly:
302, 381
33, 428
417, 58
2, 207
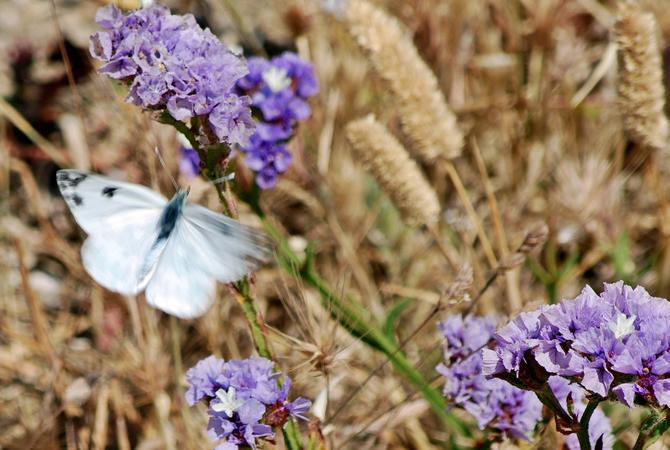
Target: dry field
489, 117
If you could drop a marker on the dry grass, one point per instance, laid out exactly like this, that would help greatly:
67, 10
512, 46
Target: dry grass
83, 368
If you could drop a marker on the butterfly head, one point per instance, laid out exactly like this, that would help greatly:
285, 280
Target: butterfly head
180, 197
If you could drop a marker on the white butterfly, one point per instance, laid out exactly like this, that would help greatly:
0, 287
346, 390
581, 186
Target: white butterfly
139, 240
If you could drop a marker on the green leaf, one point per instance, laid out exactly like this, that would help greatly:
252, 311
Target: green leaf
652, 428
392, 316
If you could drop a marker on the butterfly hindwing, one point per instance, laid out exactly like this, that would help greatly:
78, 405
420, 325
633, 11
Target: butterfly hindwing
115, 256
204, 247
180, 285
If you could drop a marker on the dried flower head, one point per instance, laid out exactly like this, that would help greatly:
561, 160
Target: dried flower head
641, 92
423, 111
395, 171
458, 289
535, 237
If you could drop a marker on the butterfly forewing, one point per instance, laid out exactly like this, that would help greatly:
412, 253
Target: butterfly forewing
231, 247
121, 220
98, 202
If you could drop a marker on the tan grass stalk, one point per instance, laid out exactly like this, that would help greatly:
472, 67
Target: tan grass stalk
395, 171
641, 93
424, 114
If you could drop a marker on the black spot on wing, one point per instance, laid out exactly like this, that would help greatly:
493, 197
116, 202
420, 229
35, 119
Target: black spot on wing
109, 191
73, 200
69, 179
77, 200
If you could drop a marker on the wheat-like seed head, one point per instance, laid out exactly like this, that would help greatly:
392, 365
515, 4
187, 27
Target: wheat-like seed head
395, 171
422, 109
641, 92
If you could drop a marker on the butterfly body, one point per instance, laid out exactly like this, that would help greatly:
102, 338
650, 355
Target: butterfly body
175, 250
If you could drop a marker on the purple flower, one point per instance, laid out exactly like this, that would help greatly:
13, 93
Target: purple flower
231, 120
172, 64
189, 162
298, 407
245, 401
300, 71
613, 343
278, 89
204, 378
493, 402
267, 160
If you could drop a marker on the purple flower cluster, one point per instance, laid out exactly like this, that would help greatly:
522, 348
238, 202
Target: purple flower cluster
616, 345
171, 63
245, 402
279, 89
495, 403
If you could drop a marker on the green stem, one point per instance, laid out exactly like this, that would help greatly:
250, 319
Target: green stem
583, 433
241, 289
261, 341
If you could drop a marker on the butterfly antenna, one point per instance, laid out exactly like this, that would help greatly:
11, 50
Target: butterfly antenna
160, 158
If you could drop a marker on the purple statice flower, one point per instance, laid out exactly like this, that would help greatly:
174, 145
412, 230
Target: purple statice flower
495, 403
278, 89
599, 424
173, 65
205, 377
613, 344
245, 401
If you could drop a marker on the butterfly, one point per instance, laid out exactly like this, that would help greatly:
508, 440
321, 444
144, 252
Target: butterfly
173, 250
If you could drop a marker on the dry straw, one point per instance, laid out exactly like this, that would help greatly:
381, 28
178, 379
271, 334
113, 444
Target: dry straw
424, 115
641, 90
395, 171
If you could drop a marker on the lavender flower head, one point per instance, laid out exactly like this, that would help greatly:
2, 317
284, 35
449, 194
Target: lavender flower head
172, 64
245, 403
493, 402
615, 345
279, 89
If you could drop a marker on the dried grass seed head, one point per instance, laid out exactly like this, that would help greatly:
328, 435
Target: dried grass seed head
641, 92
425, 117
395, 171
458, 289
536, 234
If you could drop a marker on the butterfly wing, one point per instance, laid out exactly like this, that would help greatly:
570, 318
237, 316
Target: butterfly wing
204, 247
121, 220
